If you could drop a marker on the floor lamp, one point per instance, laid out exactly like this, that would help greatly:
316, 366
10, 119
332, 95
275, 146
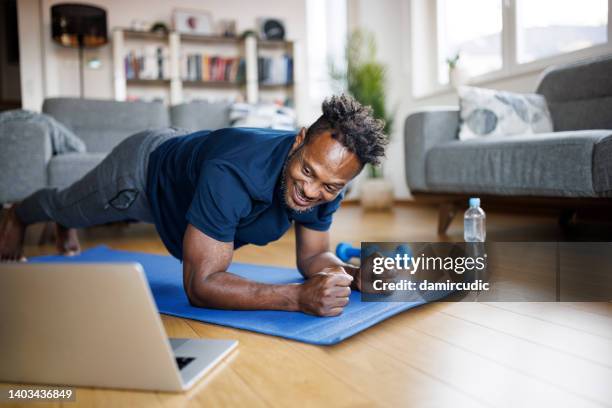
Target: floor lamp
78, 26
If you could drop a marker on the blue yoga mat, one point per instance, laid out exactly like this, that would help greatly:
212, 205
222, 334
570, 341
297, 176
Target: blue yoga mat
164, 274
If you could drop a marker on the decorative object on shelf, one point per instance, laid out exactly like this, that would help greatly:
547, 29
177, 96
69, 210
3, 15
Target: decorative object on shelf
193, 22
247, 33
271, 29
226, 28
457, 74
140, 25
159, 27
364, 78
78, 26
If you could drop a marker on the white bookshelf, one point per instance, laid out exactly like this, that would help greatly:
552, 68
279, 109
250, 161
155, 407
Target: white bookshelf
173, 87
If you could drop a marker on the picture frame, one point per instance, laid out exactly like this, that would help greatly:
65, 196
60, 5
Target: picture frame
226, 28
188, 21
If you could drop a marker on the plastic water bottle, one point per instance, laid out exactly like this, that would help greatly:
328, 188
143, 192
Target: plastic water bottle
474, 222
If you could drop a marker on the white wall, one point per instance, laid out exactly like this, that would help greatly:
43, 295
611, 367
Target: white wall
384, 19
30, 54
389, 20
326, 24
60, 65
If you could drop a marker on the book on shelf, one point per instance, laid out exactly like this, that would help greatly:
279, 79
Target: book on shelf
212, 68
275, 70
148, 62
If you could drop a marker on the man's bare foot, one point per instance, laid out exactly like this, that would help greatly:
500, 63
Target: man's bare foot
12, 233
67, 240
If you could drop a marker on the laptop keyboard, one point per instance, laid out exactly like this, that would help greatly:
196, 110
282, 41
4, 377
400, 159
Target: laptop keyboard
182, 362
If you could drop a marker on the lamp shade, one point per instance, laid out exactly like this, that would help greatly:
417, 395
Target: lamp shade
78, 25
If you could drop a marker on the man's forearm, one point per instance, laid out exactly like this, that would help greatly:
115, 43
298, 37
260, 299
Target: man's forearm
318, 262
224, 290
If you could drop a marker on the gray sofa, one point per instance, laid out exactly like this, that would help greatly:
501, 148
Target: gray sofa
566, 169
26, 160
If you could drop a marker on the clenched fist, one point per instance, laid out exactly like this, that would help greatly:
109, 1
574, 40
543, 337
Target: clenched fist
325, 293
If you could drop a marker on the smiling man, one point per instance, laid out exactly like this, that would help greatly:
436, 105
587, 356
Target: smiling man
211, 192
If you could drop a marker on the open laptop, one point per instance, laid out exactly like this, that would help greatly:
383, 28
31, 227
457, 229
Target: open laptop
93, 325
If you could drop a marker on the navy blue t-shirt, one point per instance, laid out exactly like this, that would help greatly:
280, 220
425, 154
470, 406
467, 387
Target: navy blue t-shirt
226, 183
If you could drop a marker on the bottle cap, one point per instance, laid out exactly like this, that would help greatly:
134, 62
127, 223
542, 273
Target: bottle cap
474, 202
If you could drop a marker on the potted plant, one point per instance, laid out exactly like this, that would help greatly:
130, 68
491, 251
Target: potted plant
364, 78
457, 74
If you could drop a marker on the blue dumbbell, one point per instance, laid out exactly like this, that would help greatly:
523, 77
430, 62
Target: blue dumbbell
404, 250
346, 251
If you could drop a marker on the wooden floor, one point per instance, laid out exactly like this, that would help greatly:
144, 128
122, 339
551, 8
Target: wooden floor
438, 355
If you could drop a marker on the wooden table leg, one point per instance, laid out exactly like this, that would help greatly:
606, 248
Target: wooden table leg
446, 214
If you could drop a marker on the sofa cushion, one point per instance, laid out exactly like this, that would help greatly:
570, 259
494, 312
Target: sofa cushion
25, 150
594, 113
579, 95
102, 124
200, 115
65, 169
571, 164
488, 112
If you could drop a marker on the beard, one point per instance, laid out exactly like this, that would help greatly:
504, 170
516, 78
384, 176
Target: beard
286, 200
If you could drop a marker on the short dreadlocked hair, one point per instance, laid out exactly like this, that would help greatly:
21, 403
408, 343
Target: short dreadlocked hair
353, 125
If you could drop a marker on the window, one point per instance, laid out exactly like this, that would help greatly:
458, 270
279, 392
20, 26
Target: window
499, 38
472, 28
552, 27
327, 26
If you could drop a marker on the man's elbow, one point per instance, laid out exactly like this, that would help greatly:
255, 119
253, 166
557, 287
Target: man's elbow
191, 297
196, 295
193, 300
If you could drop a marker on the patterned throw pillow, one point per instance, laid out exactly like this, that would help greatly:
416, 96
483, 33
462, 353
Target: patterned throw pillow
487, 112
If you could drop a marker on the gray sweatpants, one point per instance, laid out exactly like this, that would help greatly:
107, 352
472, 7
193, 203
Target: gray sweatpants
114, 190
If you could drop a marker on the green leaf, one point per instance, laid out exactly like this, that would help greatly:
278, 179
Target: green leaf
364, 78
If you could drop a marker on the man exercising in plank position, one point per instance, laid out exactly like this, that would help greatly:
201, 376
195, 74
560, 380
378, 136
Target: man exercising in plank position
210, 192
